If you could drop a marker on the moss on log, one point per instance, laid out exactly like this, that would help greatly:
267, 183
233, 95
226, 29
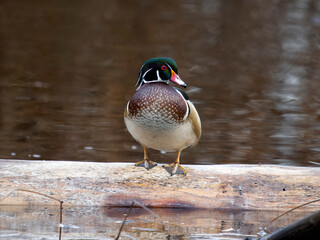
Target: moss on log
243, 187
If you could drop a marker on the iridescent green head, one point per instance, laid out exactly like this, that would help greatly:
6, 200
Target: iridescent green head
160, 69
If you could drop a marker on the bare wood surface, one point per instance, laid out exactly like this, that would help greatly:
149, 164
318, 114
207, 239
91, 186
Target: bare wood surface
250, 187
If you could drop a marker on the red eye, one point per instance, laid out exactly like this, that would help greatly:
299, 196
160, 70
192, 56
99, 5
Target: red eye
164, 67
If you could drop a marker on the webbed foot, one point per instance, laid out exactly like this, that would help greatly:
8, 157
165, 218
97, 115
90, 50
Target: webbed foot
175, 168
146, 163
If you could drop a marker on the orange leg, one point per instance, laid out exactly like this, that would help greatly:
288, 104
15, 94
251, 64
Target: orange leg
146, 163
175, 167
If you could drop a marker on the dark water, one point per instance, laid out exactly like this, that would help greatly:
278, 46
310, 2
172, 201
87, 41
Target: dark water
97, 223
67, 69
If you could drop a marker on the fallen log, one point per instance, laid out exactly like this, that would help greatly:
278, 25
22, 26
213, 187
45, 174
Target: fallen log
236, 187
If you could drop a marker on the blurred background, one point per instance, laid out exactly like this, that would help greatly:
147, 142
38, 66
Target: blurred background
68, 68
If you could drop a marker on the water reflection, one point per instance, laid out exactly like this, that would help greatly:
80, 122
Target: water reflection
252, 69
18, 222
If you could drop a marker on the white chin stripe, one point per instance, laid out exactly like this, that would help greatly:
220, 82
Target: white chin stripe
153, 81
158, 76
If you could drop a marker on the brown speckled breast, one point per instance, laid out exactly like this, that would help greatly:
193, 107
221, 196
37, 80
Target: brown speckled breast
157, 103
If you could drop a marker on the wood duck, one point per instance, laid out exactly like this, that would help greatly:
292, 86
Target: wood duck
160, 116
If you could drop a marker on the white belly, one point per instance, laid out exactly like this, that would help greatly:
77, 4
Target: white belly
169, 137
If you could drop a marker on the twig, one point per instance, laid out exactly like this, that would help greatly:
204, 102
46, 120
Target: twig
293, 210
124, 221
305, 228
60, 225
41, 194
147, 209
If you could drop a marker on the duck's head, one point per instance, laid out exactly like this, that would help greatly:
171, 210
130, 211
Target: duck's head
160, 69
